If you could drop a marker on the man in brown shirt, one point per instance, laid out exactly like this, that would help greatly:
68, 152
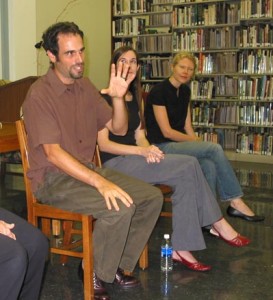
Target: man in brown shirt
63, 112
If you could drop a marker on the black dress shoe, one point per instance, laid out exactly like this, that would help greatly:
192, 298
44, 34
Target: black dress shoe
100, 292
232, 212
125, 281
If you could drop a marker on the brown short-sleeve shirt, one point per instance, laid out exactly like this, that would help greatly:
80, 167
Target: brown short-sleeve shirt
69, 115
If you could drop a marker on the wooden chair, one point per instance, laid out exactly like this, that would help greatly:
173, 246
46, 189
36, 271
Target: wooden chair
45, 214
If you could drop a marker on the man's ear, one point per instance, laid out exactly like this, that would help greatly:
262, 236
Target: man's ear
51, 56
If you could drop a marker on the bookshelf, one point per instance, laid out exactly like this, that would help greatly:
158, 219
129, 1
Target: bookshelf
232, 92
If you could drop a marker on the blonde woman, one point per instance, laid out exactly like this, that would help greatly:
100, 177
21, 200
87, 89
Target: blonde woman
169, 127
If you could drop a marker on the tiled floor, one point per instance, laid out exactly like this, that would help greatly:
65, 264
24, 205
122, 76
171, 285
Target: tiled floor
237, 274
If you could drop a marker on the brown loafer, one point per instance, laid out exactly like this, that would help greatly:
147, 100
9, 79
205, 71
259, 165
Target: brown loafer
125, 281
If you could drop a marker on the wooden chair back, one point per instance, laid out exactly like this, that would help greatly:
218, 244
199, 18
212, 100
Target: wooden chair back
45, 213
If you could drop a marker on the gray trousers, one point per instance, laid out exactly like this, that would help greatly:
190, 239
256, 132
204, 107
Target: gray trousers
119, 236
193, 202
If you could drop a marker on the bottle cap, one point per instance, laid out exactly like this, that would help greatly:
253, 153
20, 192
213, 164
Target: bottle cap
166, 236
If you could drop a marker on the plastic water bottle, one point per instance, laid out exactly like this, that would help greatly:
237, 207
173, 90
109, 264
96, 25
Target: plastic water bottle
165, 284
166, 254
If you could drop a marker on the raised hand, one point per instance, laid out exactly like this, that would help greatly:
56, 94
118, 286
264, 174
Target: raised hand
120, 80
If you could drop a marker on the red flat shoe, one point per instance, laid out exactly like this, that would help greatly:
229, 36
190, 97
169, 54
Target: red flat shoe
197, 266
238, 241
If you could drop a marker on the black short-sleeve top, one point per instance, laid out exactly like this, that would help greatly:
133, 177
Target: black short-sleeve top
176, 102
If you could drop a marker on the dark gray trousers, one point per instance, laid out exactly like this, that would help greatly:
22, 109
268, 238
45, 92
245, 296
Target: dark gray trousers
119, 236
193, 202
22, 260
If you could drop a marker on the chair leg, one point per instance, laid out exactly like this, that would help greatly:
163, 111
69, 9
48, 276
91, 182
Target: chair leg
67, 238
143, 260
3, 170
87, 257
46, 228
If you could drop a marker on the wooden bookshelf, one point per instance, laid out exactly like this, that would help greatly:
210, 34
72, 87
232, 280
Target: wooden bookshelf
232, 93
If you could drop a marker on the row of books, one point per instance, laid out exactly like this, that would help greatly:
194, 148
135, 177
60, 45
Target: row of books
257, 35
155, 67
217, 63
161, 19
255, 88
161, 7
224, 137
256, 9
209, 114
128, 42
121, 7
209, 13
206, 39
255, 61
219, 86
154, 43
251, 62
162, 1
129, 26
206, 14
241, 142
254, 143
139, 24
202, 90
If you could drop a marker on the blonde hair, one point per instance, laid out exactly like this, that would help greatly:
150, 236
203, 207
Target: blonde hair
181, 55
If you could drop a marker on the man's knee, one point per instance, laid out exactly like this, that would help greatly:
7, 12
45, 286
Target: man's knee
41, 244
16, 263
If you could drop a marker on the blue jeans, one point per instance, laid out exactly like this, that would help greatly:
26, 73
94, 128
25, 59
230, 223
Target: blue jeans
215, 166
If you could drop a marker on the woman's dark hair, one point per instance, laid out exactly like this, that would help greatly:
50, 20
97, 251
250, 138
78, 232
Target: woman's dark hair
50, 36
135, 86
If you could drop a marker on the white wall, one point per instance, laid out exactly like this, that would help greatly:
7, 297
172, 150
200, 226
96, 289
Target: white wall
94, 18
1, 74
22, 37
28, 19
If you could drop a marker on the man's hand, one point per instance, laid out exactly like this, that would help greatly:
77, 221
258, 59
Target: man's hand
152, 154
111, 192
5, 229
120, 80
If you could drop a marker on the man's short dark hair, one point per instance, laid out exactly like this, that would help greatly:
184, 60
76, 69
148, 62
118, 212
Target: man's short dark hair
50, 36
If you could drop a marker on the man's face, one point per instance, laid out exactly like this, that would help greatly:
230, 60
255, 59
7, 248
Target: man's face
69, 64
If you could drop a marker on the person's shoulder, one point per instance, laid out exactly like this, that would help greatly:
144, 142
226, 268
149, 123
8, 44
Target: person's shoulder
38, 86
158, 87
